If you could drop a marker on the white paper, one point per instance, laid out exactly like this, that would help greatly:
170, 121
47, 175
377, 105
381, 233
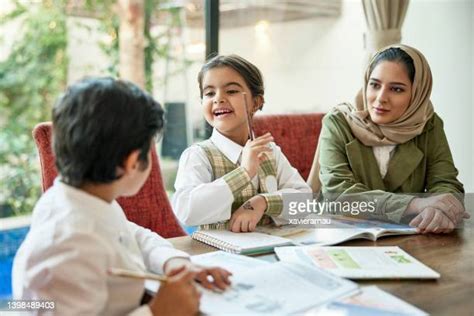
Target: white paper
372, 296
236, 264
369, 301
359, 262
280, 287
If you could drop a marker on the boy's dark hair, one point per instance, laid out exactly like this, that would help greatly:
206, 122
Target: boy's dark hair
252, 76
97, 123
398, 55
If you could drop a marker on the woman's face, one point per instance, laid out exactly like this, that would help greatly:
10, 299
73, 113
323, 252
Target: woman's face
388, 92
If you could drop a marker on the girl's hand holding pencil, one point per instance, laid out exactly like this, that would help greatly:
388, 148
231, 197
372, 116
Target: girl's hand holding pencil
255, 148
254, 151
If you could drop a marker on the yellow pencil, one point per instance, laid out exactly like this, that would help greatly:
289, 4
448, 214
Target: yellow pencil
136, 274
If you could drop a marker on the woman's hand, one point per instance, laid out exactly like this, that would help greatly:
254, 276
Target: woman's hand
446, 203
178, 296
246, 217
432, 220
253, 150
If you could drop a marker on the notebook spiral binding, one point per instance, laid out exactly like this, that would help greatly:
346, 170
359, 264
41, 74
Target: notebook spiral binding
220, 244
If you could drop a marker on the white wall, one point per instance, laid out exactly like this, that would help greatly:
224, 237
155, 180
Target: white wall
308, 65
443, 30
312, 65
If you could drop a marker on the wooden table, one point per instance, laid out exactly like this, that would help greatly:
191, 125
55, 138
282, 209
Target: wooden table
451, 255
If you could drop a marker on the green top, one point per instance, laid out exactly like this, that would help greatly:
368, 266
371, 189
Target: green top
422, 165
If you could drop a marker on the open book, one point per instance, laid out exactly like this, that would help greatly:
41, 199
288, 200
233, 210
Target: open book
240, 243
278, 288
259, 287
339, 230
359, 262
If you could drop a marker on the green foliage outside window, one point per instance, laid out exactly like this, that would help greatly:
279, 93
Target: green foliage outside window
31, 78
35, 73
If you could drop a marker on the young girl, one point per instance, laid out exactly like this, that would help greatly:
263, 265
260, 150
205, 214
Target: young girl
392, 144
230, 181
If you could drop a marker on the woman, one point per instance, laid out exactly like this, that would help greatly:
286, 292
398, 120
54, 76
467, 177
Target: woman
390, 145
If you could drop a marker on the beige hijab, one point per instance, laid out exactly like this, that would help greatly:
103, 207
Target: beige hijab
406, 127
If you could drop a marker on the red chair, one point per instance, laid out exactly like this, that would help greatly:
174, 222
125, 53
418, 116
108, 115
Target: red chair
149, 208
296, 134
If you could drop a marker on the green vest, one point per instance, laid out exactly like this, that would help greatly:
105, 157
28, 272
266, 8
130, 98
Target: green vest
221, 165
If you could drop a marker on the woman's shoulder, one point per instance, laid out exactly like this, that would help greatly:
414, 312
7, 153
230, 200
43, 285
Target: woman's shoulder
434, 123
334, 116
335, 123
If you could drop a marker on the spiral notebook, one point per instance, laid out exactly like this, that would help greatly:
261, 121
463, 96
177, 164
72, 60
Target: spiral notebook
240, 243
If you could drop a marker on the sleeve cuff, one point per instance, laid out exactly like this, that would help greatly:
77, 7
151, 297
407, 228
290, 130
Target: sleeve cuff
395, 208
160, 256
237, 180
274, 204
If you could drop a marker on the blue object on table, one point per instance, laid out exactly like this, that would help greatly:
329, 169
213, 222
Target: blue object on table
190, 229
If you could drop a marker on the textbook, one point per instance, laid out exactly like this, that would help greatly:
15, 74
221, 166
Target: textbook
339, 230
240, 243
359, 262
279, 288
259, 287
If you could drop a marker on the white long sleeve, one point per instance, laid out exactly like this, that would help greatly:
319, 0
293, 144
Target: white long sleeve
73, 240
199, 200
155, 249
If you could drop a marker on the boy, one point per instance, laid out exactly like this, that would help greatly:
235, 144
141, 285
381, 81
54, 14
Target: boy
103, 131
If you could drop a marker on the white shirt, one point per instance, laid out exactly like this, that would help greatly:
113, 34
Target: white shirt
383, 154
74, 238
199, 200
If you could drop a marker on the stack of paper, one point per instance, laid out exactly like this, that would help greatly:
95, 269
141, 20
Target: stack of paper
359, 262
370, 301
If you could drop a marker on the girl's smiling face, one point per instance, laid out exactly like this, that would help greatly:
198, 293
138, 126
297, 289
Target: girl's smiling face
388, 92
224, 105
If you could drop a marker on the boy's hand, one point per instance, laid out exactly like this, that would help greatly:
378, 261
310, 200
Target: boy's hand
246, 217
212, 278
432, 220
253, 150
178, 296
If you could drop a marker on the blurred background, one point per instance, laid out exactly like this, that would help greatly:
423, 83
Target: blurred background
311, 52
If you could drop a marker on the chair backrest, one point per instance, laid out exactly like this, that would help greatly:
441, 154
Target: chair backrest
296, 134
149, 208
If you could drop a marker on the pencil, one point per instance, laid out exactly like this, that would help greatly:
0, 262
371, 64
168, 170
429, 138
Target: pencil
136, 274
249, 119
